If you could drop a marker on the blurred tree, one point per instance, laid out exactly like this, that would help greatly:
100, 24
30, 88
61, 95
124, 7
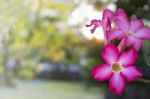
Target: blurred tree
36, 30
135, 8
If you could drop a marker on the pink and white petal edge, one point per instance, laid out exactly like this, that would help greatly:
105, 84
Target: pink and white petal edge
101, 72
110, 53
128, 57
131, 73
117, 84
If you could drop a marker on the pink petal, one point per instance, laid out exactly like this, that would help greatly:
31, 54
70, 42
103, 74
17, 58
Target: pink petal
135, 25
107, 18
137, 44
131, 73
117, 84
134, 42
130, 40
106, 25
96, 24
128, 57
107, 14
110, 53
143, 33
114, 34
122, 45
122, 20
101, 72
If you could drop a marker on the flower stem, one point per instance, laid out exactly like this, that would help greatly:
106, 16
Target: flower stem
143, 80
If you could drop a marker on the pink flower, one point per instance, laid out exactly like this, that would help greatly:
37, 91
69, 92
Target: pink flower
133, 31
118, 68
105, 22
116, 32
109, 24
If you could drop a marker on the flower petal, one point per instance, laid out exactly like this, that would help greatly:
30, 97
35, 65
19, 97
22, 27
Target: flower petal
107, 14
135, 25
101, 72
96, 24
122, 20
110, 53
134, 42
117, 84
122, 45
114, 34
128, 57
131, 73
137, 44
143, 33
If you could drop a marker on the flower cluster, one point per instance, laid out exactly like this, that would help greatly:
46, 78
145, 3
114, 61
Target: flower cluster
119, 62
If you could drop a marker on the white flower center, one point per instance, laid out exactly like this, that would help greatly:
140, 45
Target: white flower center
113, 25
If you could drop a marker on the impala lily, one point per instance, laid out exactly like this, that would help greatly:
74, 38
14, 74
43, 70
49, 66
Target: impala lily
116, 32
108, 15
118, 68
109, 25
134, 31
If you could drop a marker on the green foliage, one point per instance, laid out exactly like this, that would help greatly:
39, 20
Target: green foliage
26, 74
39, 40
139, 8
94, 59
61, 8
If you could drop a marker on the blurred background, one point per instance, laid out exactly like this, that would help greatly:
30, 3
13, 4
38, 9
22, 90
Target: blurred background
47, 52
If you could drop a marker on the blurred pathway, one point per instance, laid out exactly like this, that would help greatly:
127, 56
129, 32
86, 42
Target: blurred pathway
49, 90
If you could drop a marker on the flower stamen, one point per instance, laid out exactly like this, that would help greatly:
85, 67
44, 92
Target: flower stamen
116, 67
129, 34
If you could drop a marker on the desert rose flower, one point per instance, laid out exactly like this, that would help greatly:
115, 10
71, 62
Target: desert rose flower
117, 25
109, 24
133, 31
118, 68
108, 17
